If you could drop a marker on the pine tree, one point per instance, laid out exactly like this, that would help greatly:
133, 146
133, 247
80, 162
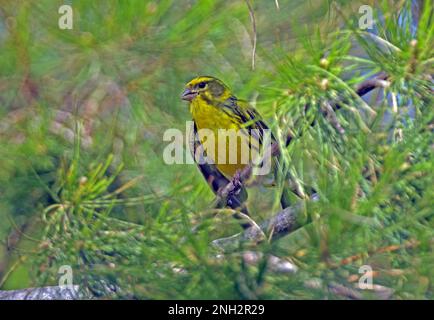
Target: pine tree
83, 183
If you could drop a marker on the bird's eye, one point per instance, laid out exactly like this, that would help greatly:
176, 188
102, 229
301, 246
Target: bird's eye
202, 85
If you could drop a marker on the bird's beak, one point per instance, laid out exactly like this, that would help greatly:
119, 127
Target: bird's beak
188, 95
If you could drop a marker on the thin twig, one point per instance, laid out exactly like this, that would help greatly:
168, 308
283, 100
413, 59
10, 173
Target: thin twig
253, 20
277, 4
331, 116
12, 270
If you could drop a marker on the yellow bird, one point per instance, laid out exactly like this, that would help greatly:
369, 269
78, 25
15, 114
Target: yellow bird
213, 107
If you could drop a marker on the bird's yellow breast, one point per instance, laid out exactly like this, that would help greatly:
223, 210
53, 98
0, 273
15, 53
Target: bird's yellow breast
208, 116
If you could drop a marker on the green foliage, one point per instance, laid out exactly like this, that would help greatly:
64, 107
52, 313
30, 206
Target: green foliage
83, 182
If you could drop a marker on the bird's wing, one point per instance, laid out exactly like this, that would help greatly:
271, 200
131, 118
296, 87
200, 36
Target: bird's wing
247, 115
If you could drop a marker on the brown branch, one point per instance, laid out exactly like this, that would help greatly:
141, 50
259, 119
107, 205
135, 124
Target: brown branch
331, 117
283, 223
379, 81
343, 291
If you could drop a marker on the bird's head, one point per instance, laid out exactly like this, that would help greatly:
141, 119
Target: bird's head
206, 88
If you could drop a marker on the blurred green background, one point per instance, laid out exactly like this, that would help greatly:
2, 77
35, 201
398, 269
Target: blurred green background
110, 87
